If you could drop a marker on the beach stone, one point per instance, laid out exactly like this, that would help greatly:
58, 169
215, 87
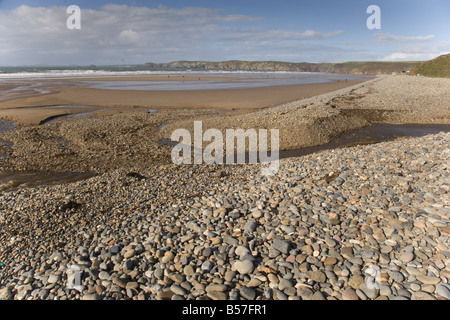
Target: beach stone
247, 293
164, 295
347, 252
114, 249
305, 293
216, 295
386, 249
128, 265
129, 254
188, 270
318, 296
103, 275
176, 289
177, 278
244, 267
345, 272
280, 295
355, 281
281, 245
241, 250
396, 276
230, 240
250, 226
406, 257
6, 294
207, 266
216, 287
53, 279
385, 290
349, 294
361, 294
371, 292
428, 279
329, 261
229, 275
254, 283
443, 291
257, 214
330, 242
168, 256
284, 283
119, 282
317, 276
91, 296
420, 295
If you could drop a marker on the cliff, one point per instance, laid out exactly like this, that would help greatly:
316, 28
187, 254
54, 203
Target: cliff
361, 68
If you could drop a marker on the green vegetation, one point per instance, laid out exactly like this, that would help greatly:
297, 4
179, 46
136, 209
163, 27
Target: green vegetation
362, 68
437, 68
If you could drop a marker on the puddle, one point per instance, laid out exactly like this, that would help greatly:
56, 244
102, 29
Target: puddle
14, 180
6, 125
375, 133
82, 114
236, 81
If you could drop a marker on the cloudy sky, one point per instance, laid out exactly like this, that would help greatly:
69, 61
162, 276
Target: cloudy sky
116, 32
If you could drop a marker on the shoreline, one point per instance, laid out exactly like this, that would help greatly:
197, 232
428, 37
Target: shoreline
242, 100
113, 139
146, 229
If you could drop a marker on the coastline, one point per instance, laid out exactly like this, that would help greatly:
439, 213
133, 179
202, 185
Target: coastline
247, 99
125, 137
146, 229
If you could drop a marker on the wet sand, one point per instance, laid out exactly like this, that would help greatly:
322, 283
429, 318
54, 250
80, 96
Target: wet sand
114, 140
243, 100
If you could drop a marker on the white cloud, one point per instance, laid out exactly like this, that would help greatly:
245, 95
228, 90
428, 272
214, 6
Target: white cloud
135, 34
419, 52
388, 38
128, 36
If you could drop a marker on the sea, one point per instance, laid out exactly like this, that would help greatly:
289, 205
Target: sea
241, 78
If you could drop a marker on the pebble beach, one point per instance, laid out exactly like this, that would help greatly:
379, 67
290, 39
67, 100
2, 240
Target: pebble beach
368, 222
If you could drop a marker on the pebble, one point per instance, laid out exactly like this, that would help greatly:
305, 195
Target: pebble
406, 257
244, 237
317, 276
217, 295
443, 290
349, 294
244, 267
247, 293
284, 283
420, 295
428, 279
281, 245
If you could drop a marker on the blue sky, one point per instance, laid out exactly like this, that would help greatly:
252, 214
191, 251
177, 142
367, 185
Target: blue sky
35, 31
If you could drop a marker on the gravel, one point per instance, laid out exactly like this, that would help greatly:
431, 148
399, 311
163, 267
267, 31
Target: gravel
184, 232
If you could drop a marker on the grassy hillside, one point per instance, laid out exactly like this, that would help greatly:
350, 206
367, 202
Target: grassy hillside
438, 67
368, 67
362, 68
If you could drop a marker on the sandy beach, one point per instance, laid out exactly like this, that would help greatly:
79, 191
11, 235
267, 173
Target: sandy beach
125, 136
327, 226
68, 93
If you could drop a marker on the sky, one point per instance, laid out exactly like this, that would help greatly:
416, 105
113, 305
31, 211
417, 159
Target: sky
35, 32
